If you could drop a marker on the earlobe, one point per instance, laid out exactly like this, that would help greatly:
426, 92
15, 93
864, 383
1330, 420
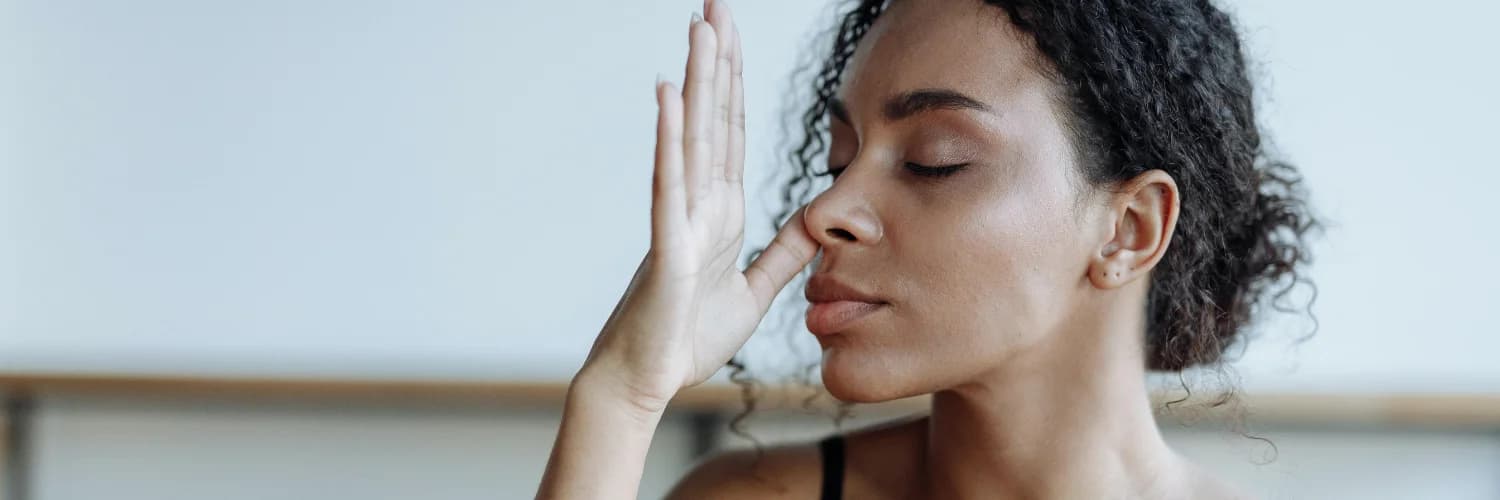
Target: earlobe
1107, 277
1111, 270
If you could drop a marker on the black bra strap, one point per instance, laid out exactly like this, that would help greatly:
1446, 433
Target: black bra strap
832, 449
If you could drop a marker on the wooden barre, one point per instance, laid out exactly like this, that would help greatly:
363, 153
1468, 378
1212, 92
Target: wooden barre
1405, 409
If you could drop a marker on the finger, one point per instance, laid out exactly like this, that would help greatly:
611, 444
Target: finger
719, 18
698, 96
735, 168
788, 253
668, 194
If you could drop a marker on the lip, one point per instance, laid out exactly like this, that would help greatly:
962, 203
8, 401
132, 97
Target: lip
836, 305
828, 318
826, 288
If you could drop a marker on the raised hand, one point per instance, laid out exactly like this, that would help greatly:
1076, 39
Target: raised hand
689, 307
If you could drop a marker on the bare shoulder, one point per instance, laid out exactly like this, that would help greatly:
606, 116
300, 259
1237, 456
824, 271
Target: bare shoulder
793, 470
781, 471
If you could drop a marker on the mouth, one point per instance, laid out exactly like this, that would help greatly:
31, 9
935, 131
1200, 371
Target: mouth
828, 318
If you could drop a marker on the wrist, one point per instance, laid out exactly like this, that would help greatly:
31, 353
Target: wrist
598, 387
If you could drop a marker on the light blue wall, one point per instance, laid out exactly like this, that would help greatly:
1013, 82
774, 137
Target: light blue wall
460, 189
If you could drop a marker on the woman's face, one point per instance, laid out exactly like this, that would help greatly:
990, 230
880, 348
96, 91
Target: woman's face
979, 267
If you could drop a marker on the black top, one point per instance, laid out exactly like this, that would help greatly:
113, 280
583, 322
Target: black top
832, 450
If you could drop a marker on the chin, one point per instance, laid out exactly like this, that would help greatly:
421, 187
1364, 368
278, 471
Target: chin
854, 377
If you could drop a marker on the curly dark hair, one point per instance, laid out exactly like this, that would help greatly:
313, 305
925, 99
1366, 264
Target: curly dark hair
1140, 85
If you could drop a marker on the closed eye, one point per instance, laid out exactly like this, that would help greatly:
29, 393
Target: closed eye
942, 171
921, 170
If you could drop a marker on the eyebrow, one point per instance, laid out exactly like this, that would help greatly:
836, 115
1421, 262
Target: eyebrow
914, 102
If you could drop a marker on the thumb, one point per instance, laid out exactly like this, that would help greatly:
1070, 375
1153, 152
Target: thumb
788, 253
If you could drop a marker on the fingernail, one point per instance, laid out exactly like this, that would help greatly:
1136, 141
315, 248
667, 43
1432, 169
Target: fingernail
696, 19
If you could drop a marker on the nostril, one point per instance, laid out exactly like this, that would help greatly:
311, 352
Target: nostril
841, 234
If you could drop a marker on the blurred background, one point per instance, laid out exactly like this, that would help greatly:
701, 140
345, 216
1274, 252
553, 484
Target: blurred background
350, 249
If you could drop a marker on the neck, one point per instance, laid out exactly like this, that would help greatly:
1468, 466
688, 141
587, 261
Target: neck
1070, 421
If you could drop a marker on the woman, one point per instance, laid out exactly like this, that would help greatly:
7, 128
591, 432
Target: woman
1034, 203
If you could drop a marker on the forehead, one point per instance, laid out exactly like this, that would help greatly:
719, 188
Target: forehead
963, 45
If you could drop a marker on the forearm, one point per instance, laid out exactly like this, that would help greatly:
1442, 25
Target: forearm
601, 445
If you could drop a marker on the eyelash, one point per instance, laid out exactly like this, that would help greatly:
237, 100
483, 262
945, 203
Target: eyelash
921, 170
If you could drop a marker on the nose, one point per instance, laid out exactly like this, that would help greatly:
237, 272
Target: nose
840, 216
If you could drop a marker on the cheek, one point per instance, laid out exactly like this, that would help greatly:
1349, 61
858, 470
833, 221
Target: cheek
976, 285
1001, 277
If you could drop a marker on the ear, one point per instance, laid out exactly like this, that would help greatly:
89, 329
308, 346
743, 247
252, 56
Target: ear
1141, 215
